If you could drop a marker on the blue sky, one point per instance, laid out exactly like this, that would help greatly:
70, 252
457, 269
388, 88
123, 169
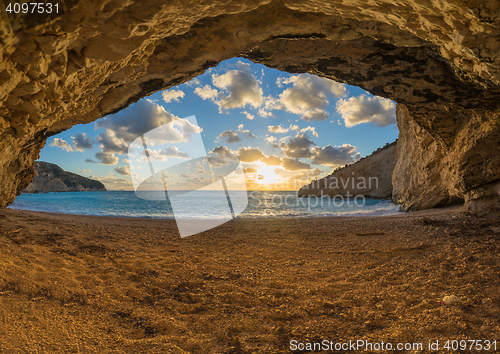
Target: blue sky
283, 127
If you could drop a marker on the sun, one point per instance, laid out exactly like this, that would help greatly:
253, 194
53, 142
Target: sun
266, 175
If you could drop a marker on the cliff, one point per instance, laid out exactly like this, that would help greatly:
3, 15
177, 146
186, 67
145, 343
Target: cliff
52, 178
439, 60
370, 177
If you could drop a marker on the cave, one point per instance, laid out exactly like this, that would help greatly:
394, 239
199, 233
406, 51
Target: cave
437, 61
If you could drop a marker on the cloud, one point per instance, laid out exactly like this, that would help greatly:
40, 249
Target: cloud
270, 139
308, 174
271, 160
90, 161
110, 143
308, 95
172, 95
200, 168
220, 155
238, 89
113, 183
311, 129
242, 130
164, 154
84, 171
250, 154
123, 170
229, 136
136, 120
250, 170
278, 129
81, 141
62, 144
294, 164
298, 147
125, 126
248, 115
335, 155
106, 158
206, 92
367, 109
193, 82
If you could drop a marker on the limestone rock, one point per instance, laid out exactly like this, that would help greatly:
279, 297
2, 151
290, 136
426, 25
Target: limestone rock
52, 178
438, 59
370, 177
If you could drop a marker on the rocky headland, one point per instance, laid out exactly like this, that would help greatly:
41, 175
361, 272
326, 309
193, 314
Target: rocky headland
52, 178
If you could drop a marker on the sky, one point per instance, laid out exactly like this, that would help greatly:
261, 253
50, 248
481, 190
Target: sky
286, 129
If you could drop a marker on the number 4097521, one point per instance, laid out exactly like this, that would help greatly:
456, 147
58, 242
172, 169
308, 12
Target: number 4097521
32, 7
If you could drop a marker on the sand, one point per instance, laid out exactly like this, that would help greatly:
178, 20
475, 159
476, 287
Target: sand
86, 284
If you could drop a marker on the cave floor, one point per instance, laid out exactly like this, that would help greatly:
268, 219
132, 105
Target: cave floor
85, 284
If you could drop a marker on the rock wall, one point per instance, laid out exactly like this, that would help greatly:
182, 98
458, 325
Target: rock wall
440, 59
370, 177
52, 178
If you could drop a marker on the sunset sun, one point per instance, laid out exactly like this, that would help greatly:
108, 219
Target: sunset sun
266, 175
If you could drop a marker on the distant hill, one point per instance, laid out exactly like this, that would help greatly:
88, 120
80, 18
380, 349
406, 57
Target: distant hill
52, 178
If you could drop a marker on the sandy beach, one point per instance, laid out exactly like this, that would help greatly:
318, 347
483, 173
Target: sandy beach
85, 284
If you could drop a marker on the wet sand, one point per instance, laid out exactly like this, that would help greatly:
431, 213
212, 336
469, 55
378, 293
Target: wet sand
86, 284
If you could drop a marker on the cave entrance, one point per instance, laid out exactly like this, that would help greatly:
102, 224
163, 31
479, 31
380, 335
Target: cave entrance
287, 130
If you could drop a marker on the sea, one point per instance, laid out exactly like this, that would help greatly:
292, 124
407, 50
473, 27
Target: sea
202, 204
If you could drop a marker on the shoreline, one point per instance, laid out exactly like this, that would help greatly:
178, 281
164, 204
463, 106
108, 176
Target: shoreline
97, 284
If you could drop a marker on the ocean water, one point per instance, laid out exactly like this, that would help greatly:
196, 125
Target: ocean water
261, 204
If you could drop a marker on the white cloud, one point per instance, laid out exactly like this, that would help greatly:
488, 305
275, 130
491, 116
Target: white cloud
366, 109
298, 147
308, 95
250, 170
271, 160
200, 168
271, 139
250, 154
62, 144
306, 175
81, 141
335, 155
294, 164
106, 158
220, 155
232, 136
311, 129
139, 118
84, 171
246, 132
229, 136
193, 82
123, 170
110, 143
113, 183
248, 115
239, 88
206, 92
172, 95
277, 129
142, 117
164, 154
